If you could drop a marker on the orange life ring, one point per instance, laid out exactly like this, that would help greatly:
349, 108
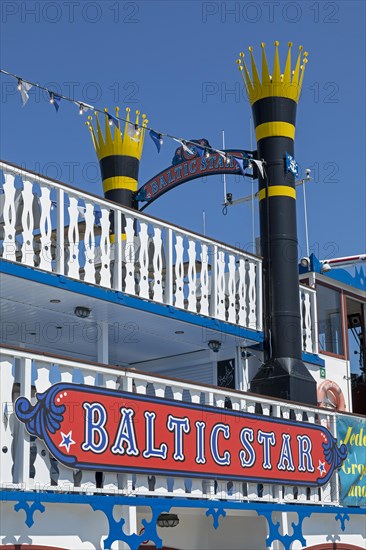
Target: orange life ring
330, 396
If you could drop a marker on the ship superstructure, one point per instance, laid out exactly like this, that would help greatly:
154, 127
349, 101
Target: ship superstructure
131, 349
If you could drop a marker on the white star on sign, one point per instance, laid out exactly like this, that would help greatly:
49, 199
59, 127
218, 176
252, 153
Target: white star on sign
321, 468
67, 441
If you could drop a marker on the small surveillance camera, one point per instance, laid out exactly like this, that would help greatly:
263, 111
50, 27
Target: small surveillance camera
229, 198
307, 172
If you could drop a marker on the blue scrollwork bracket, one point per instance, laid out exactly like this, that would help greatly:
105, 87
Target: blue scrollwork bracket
274, 529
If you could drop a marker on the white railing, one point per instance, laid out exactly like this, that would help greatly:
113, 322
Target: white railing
26, 463
53, 227
308, 309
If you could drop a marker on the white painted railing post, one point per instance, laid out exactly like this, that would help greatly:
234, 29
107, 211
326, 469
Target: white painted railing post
314, 321
60, 235
22, 455
6, 419
259, 288
213, 297
117, 268
169, 268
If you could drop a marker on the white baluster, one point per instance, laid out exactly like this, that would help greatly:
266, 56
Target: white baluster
177, 393
204, 281
130, 256
267, 488
179, 272
252, 487
144, 261
192, 276
307, 324
288, 490
27, 223
301, 490
142, 482
259, 288
325, 490
73, 237
117, 252
110, 481
159, 390
105, 249
168, 290
179, 488
89, 243
42, 462
221, 491
66, 475
60, 232
220, 401
232, 290
242, 293
314, 495
88, 483
195, 396
252, 317
140, 386
9, 216
45, 226
21, 436
158, 266
221, 306
214, 285
196, 489
7, 420
161, 486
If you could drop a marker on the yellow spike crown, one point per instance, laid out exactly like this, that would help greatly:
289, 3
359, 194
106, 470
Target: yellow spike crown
286, 84
130, 143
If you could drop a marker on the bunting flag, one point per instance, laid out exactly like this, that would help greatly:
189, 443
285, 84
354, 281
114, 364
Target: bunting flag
83, 107
112, 120
240, 163
24, 88
55, 100
291, 165
157, 139
200, 150
184, 145
134, 129
259, 165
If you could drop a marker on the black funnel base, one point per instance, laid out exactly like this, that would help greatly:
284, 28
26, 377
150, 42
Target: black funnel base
285, 378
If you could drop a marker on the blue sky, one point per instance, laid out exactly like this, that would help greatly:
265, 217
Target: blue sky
165, 58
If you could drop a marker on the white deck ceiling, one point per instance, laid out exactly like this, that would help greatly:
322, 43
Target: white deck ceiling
29, 319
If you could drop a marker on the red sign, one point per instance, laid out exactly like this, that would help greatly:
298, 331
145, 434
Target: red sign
191, 163
100, 429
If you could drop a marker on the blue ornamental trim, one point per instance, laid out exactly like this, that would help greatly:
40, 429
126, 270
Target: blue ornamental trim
32, 501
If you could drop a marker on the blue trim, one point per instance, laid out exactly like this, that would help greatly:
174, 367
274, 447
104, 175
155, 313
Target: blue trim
112, 296
313, 359
55, 497
157, 505
357, 280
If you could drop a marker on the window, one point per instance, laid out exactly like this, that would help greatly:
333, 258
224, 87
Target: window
330, 331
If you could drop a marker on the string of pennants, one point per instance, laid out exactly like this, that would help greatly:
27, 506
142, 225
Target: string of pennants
55, 99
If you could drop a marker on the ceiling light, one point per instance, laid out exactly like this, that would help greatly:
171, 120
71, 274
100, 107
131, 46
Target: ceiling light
214, 345
82, 312
167, 520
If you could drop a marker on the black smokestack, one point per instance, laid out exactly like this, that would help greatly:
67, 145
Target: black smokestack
274, 103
